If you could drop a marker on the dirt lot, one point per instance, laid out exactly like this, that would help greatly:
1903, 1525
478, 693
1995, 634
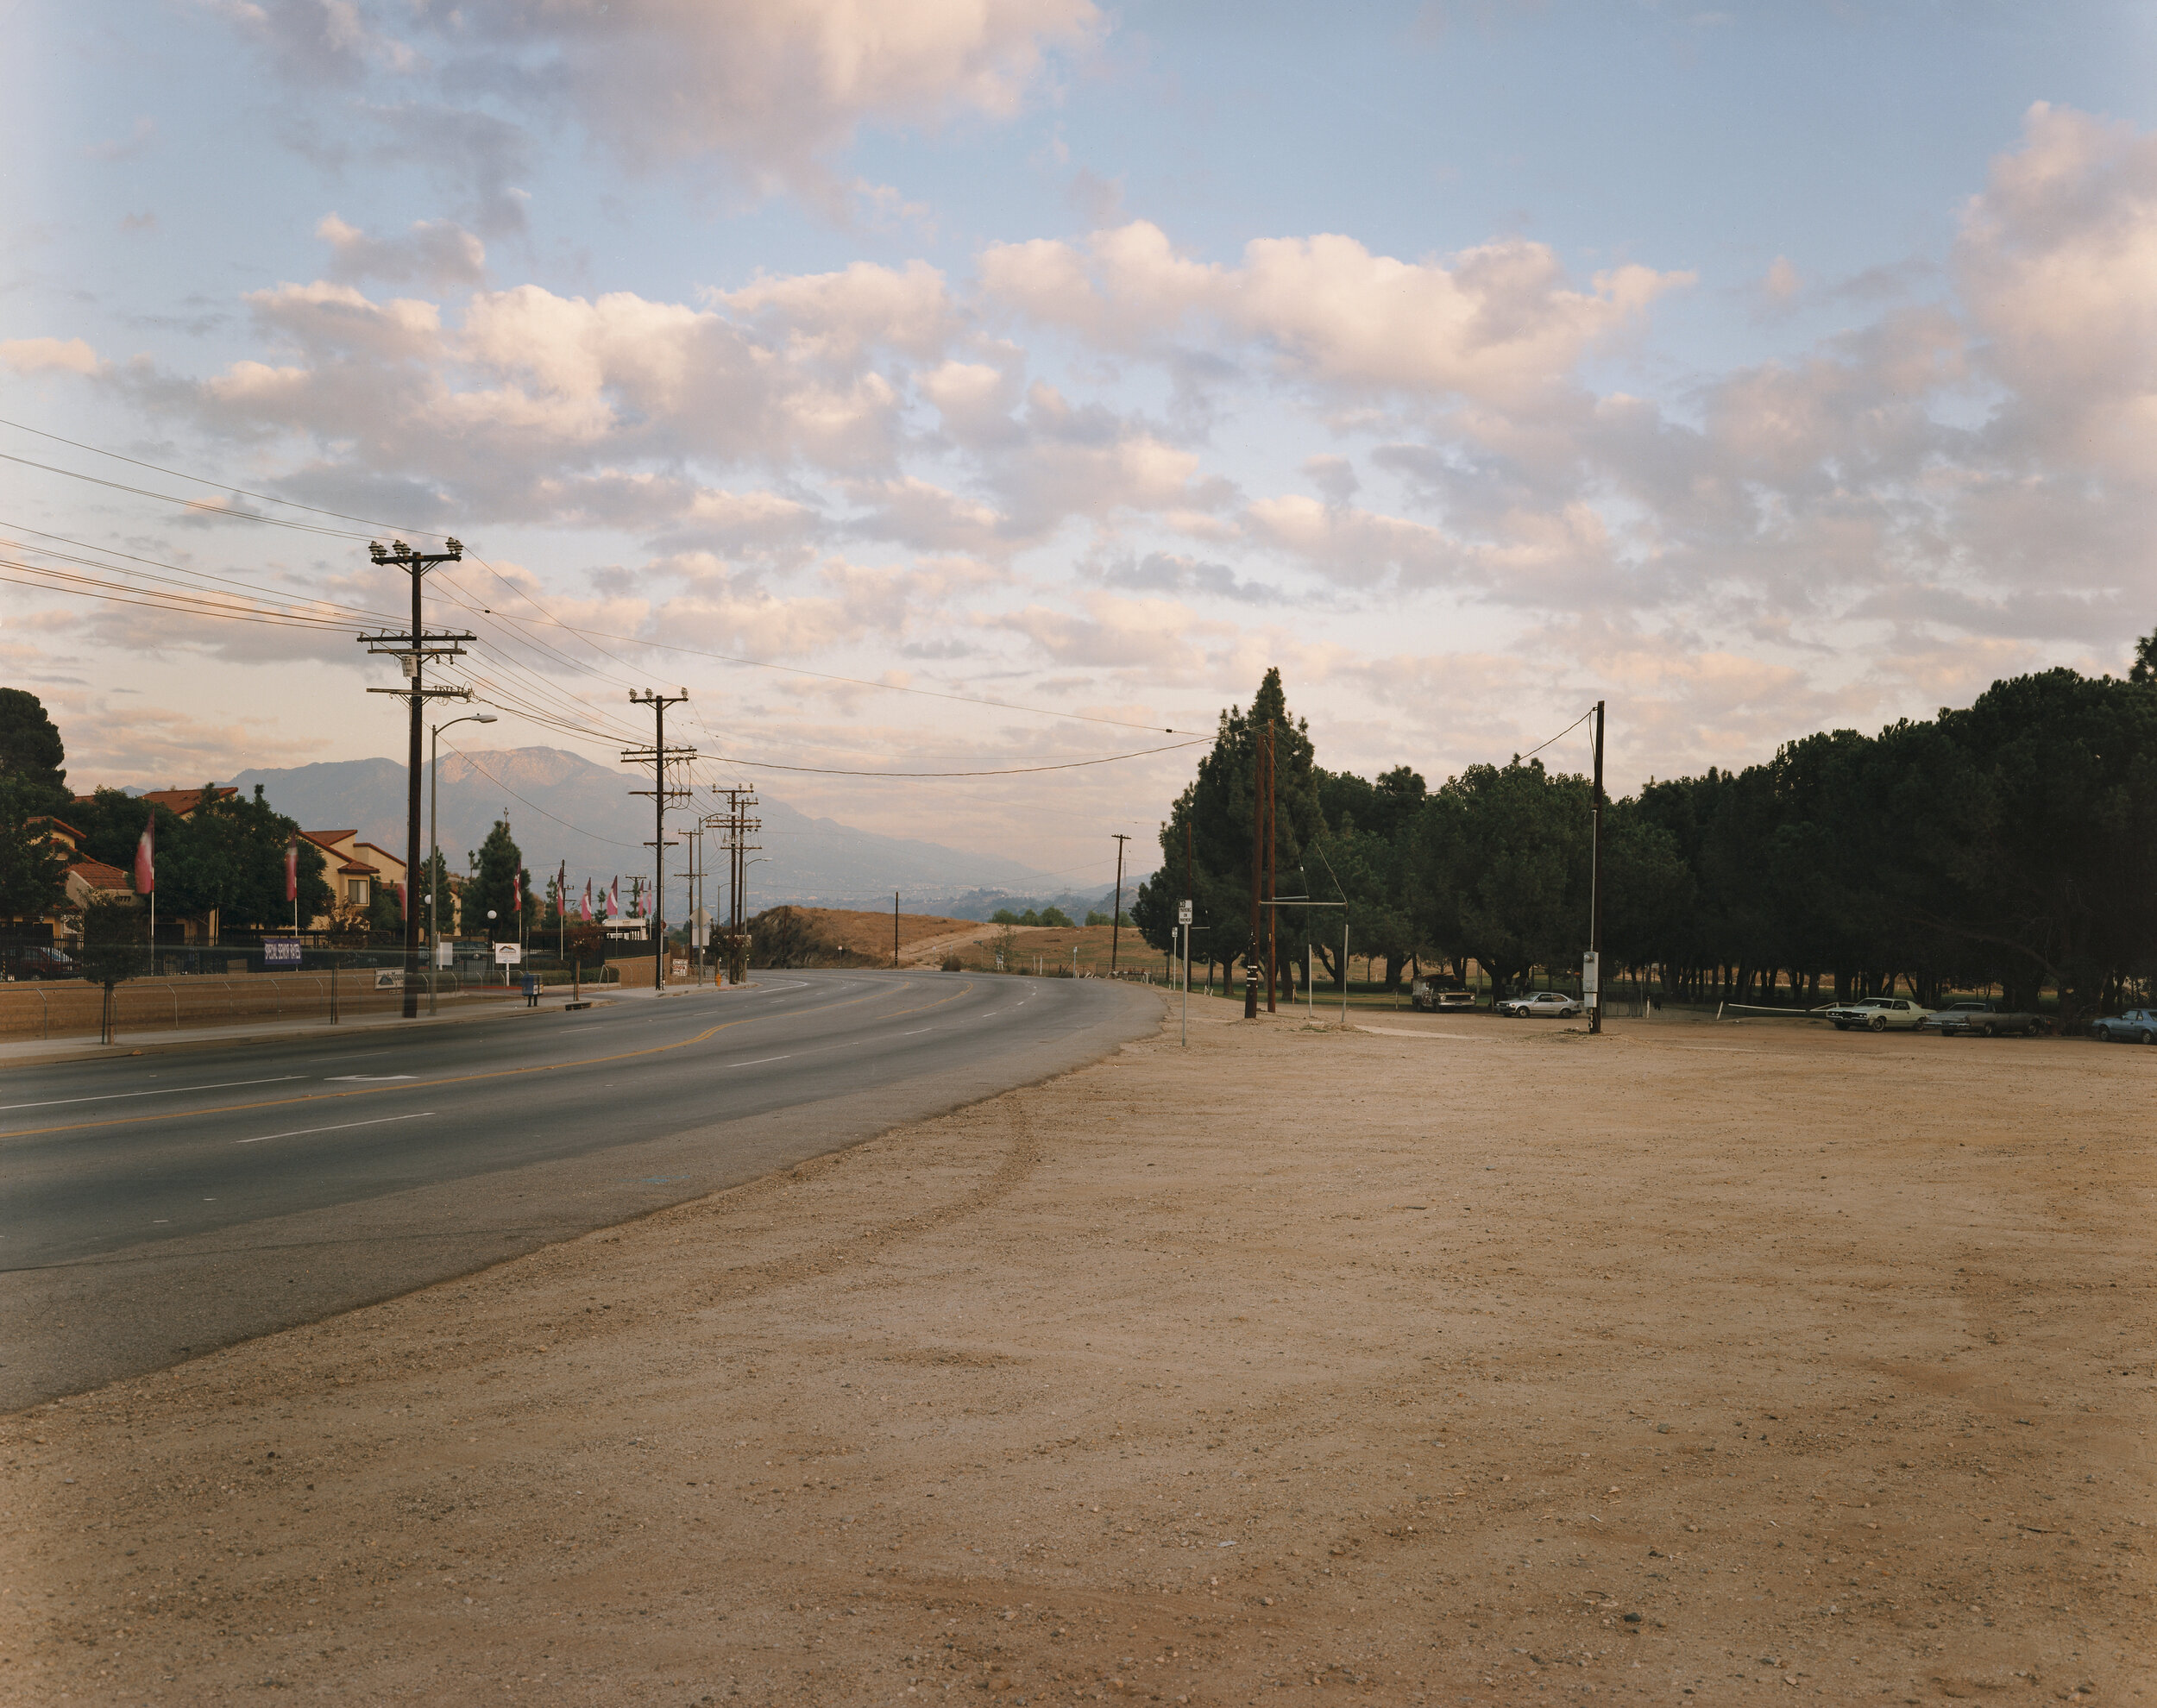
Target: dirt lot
1471, 1360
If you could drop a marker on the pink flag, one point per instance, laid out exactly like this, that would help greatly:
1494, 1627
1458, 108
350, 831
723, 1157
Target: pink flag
400, 898
613, 900
291, 870
145, 857
584, 908
517, 891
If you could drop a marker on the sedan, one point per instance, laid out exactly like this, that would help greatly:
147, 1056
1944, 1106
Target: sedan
1542, 1002
2136, 1026
1878, 1013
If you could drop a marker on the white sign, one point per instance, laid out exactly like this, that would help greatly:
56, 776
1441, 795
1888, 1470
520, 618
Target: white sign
508, 954
1591, 974
1183, 913
389, 981
281, 952
445, 954
700, 929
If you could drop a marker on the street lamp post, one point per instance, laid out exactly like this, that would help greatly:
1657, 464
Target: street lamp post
434, 851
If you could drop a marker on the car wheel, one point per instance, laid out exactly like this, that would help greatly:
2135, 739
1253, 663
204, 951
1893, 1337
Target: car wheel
2147, 1038
1991, 1031
1880, 1023
1842, 1026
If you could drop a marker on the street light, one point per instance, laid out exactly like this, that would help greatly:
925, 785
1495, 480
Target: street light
434, 849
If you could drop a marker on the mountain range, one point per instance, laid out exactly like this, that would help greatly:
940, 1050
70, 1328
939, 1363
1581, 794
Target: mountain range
562, 806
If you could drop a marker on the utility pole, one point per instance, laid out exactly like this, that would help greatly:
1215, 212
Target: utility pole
1116, 916
894, 930
658, 755
1273, 856
1596, 885
412, 651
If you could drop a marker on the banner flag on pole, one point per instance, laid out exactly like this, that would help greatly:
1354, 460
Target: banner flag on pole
584, 908
145, 857
292, 869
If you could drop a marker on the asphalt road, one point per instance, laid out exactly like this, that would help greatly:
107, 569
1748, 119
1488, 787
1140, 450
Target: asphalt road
154, 1209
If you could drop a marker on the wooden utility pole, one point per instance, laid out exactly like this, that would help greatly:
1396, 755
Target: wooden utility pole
895, 928
1596, 881
658, 755
412, 651
1116, 912
1272, 861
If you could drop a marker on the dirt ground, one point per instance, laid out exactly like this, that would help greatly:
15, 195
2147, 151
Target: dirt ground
1463, 1360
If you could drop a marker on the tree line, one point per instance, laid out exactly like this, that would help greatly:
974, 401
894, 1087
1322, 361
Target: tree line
2012, 844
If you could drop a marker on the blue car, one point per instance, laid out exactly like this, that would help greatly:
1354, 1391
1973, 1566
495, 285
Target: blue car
2136, 1026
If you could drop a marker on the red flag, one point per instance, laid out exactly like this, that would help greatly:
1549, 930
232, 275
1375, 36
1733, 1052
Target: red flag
584, 908
292, 869
400, 898
517, 892
613, 900
145, 857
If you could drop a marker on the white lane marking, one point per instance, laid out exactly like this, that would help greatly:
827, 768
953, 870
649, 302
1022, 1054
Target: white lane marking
338, 1079
161, 1091
300, 1132
917, 1031
759, 1060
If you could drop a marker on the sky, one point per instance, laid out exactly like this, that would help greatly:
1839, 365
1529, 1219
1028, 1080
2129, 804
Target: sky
853, 364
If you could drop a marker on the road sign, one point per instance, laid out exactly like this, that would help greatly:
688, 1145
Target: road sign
1183, 913
508, 954
281, 952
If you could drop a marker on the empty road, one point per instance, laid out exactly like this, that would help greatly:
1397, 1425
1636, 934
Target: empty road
153, 1208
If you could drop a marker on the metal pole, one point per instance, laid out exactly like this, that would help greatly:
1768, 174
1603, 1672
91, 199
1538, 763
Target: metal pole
894, 930
1185, 1040
1595, 881
1344, 966
412, 799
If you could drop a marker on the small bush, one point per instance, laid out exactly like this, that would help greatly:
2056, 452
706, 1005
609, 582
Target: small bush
953, 963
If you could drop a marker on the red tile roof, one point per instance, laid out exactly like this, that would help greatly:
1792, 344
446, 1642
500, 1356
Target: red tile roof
99, 876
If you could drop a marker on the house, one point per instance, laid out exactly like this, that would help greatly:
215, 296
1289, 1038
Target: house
356, 871
86, 879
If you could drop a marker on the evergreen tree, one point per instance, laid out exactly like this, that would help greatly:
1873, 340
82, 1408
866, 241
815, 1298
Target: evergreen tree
32, 753
498, 877
33, 875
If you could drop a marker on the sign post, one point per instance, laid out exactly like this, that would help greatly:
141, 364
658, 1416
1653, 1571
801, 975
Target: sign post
1592, 981
1183, 922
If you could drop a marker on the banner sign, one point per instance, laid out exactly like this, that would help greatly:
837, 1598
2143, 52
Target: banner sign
385, 980
281, 952
508, 954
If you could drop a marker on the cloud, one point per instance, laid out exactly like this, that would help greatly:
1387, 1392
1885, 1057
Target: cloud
769, 90
437, 252
132, 147
1498, 324
2057, 259
41, 356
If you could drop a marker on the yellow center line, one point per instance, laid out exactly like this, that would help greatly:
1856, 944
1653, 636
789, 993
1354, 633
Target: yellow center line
493, 1073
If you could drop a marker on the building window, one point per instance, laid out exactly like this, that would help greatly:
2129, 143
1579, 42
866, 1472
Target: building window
355, 890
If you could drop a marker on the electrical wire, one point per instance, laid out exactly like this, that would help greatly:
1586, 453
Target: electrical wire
1004, 771
118, 593
1560, 736
180, 474
590, 636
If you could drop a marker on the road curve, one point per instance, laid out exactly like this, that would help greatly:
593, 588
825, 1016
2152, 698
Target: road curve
155, 1207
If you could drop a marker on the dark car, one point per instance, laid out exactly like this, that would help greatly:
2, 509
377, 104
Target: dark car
39, 961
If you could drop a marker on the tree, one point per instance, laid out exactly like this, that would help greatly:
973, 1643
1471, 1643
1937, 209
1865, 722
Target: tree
498, 880
1217, 811
32, 753
2144, 669
33, 875
115, 932
1501, 868
228, 856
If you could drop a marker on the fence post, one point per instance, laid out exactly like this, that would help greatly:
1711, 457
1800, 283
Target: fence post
172, 991
44, 1008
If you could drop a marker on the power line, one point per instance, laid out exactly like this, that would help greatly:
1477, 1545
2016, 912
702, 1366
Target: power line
1004, 771
590, 636
1560, 736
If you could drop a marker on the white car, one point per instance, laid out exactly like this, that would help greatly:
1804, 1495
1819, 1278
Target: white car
1878, 1013
1550, 1003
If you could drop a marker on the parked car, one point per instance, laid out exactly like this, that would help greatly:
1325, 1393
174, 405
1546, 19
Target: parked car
1877, 1014
39, 961
2136, 1026
1428, 996
1973, 1018
1550, 1003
